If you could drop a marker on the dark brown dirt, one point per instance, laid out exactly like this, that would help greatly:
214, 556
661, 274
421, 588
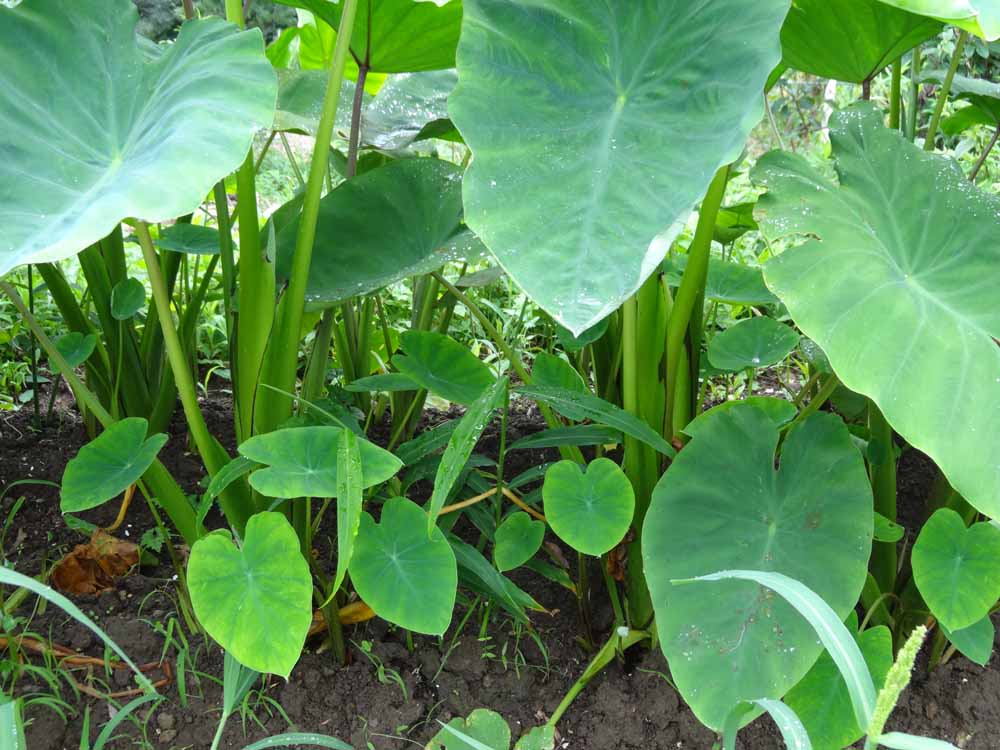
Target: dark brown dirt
627, 706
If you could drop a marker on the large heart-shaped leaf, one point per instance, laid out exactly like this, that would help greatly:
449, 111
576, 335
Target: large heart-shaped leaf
400, 220
443, 366
957, 569
915, 328
255, 601
596, 127
106, 466
147, 137
302, 462
590, 509
850, 40
397, 36
981, 17
754, 342
723, 505
404, 575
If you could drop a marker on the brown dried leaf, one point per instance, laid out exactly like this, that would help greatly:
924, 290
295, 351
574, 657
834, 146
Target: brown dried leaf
92, 568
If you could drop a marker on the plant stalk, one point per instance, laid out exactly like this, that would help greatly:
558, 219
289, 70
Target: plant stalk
983, 156
945, 89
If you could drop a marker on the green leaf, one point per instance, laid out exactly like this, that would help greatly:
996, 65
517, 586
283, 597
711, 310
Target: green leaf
517, 540
598, 410
127, 298
822, 701
302, 462
405, 576
538, 738
731, 223
914, 329
981, 17
444, 367
850, 40
482, 730
886, 530
974, 641
255, 601
983, 95
810, 519
792, 731
955, 568
751, 343
900, 741
233, 471
477, 574
148, 137
76, 347
397, 36
390, 382
728, 282
12, 722
426, 442
608, 121
460, 446
550, 371
572, 343
108, 465
193, 239
295, 739
590, 509
580, 434
349, 502
403, 219
779, 411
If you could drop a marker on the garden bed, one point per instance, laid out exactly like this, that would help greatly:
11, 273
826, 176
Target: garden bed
392, 697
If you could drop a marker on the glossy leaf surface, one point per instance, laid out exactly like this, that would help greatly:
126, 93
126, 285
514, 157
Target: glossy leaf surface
590, 509
981, 17
517, 540
810, 519
443, 366
255, 601
751, 343
148, 137
606, 121
914, 329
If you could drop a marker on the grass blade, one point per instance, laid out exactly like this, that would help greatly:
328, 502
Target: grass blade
300, 738
350, 498
581, 434
835, 637
900, 741
794, 733
123, 713
12, 726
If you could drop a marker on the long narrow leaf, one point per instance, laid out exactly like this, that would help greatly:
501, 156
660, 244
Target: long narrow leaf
120, 715
835, 637
426, 442
350, 498
231, 472
789, 724
597, 410
580, 434
12, 726
900, 741
460, 446
13, 578
732, 725
299, 738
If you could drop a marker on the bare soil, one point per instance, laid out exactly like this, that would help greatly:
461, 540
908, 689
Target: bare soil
521, 674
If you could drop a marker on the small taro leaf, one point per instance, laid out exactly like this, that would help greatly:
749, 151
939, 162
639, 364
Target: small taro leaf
967, 117
572, 343
900, 741
975, 641
648, 109
426, 442
955, 568
397, 36
886, 530
349, 502
390, 382
127, 298
850, 40
460, 446
444, 367
405, 576
302, 462
482, 729
76, 347
733, 222
789, 724
255, 601
599, 411
193, 239
810, 519
395, 221
821, 699
538, 738
147, 138
877, 332
517, 539
778, 411
551, 371
580, 434
728, 282
756, 342
591, 510
106, 466
981, 17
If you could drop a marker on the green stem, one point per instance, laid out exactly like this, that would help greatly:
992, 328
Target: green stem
883, 479
912, 114
983, 156
895, 93
821, 397
280, 367
942, 99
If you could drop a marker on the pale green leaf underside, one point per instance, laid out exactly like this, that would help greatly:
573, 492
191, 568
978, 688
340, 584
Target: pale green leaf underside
596, 127
81, 150
981, 17
898, 287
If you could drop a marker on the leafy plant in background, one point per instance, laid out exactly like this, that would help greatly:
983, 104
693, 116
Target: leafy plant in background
572, 150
